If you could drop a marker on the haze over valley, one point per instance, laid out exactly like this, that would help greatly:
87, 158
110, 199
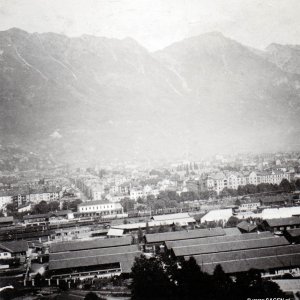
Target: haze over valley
96, 98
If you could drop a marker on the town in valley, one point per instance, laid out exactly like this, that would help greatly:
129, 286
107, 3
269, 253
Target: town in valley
66, 231
149, 150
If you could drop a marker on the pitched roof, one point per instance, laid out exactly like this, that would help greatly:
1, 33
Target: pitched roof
246, 226
6, 219
230, 246
283, 221
115, 232
182, 235
218, 239
232, 231
259, 263
171, 217
217, 214
92, 252
39, 216
131, 226
14, 246
125, 260
96, 202
90, 244
244, 254
294, 232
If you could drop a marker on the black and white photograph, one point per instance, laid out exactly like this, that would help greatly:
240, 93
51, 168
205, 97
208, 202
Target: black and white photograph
149, 149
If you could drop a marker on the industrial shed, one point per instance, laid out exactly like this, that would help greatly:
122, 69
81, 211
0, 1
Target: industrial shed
282, 224
219, 258
92, 252
218, 239
229, 246
91, 263
270, 266
6, 221
13, 249
157, 238
90, 244
183, 222
293, 235
170, 217
217, 215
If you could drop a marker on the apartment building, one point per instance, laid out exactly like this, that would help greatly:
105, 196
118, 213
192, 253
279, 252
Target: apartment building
99, 207
90, 185
232, 180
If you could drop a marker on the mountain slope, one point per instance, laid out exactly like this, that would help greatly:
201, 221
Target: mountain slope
286, 57
88, 88
91, 98
241, 96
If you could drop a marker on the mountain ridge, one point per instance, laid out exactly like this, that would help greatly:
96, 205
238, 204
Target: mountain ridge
203, 94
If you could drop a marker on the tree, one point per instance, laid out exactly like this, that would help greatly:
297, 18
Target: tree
223, 284
171, 204
241, 190
251, 284
232, 221
127, 204
149, 280
285, 185
191, 281
250, 189
297, 184
237, 202
72, 205
140, 235
41, 208
226, 192
166, 278
53, 206
159, 204
140, 200
38, 280
147, 229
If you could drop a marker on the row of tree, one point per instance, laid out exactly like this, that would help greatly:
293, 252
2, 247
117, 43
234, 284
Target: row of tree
164, 278
43, 207
285, 186
171, 199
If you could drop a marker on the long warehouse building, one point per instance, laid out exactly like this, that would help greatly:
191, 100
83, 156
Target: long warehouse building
90, 244
101, 257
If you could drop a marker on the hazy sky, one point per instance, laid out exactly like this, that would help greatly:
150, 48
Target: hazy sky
157, 23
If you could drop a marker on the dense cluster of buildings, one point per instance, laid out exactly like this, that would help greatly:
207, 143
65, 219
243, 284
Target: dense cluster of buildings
21, 198
98, 240
77, 251
232, 180
114, 188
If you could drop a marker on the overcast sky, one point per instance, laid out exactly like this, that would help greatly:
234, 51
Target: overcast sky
157, 23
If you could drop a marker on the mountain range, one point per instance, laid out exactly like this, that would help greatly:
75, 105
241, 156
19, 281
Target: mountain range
94, 98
